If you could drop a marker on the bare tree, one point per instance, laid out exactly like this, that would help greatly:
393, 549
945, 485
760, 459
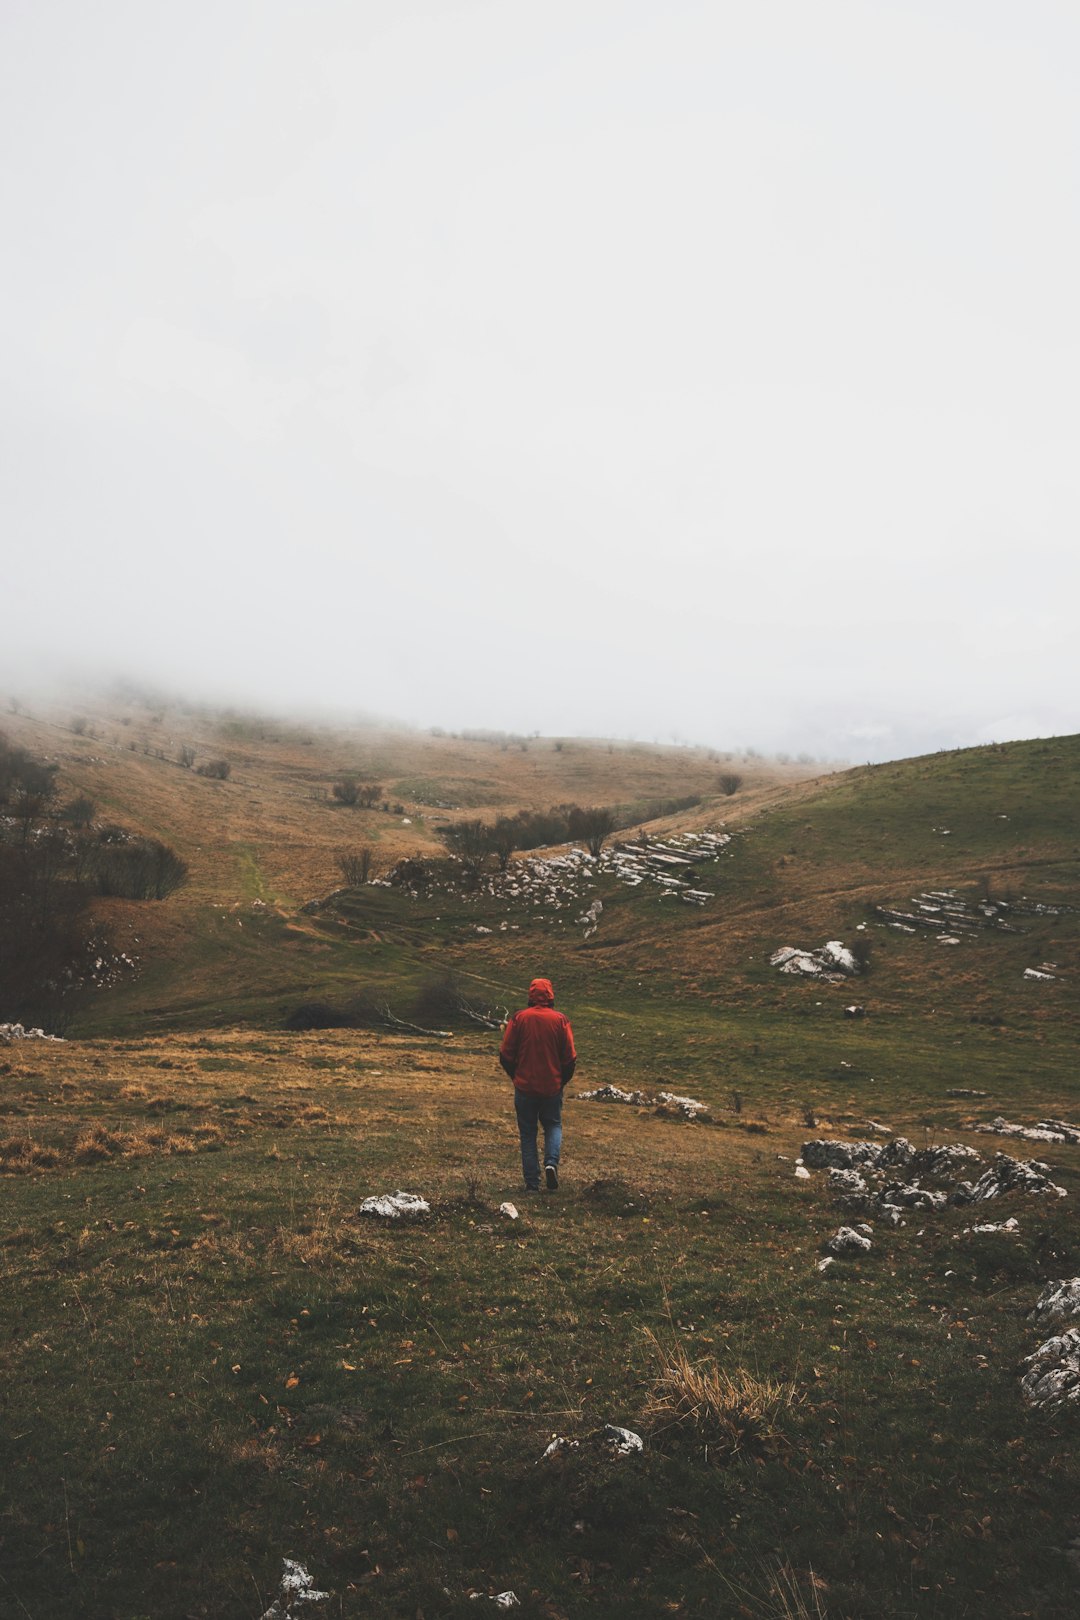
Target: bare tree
185, 756
355, 865
470, 841
503, 838
592, 825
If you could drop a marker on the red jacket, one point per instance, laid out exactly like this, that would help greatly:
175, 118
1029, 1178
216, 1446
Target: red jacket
537, 1048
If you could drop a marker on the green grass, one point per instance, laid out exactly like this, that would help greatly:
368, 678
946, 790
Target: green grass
212, 1362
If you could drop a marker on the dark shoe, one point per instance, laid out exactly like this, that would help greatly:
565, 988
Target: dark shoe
551, 1176
530, 1188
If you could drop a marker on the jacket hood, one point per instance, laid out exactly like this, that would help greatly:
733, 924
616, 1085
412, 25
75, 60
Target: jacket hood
541, 994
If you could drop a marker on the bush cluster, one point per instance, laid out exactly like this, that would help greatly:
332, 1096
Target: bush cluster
349, 790
52, 859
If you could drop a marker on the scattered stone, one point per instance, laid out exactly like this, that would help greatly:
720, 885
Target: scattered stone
854, 1011
1071, 1133
895, 1155
944, 1161
1008, 1175
1047, 1130
962, 1091
16, 1032
296, 1590
828, 1154
942, 911
1011, 1227
846, 1181
1053, 1375
1058, 1301
665, 1102
801, 1173
909, 1195
891, 1214
1038, 973
623, 1442
847, 1242
509, 1210
395, 1206
615, 1094
501, 1600
591, 918
559, 1446
833, 961
823, 1265
685, 1107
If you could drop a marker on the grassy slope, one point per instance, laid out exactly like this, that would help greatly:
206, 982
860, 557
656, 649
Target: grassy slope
212, 1361
146, 1476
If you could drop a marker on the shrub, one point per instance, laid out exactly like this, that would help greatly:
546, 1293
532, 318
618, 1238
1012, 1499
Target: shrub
469, 840
319, 1015
80, 811
141, 869
218, 769
729, 783
592, 825
355, 865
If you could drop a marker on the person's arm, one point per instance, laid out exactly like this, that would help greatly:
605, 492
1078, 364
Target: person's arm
569, 1056
508, 1049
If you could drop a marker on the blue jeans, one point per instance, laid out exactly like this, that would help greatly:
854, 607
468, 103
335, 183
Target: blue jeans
532, 1111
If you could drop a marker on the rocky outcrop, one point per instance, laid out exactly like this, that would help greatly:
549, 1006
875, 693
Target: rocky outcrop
1008, 1175
848, 1241
1052, 1377
1058, 1301
829, 1154
833, 961
395, 1206
1046, 1130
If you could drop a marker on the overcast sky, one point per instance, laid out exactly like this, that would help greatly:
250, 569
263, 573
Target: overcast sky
642, 369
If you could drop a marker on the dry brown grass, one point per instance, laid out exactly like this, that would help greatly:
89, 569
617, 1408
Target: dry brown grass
20, 1155
727, 1411
262, 833
104, 1142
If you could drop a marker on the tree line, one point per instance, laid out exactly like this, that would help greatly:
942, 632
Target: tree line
54, 858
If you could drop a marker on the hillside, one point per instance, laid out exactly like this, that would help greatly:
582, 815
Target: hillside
272, 831
217, 1360
795, 862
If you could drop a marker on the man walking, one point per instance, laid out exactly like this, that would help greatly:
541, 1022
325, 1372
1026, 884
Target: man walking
538, 1054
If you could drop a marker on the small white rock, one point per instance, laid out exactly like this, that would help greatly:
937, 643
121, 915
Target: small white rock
623, 1441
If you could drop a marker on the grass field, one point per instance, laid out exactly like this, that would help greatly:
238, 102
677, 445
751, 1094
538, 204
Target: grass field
212, 1361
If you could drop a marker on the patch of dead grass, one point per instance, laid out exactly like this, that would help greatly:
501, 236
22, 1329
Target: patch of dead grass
729, 1412
19, 1155
100, 1142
